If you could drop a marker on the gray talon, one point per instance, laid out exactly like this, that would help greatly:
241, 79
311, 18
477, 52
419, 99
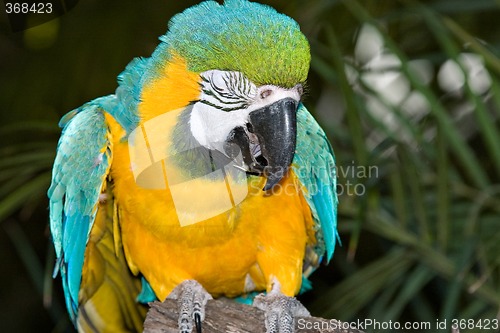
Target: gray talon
280, 311
191, 299
197, 321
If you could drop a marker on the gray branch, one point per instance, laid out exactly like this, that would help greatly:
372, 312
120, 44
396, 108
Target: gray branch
223, 315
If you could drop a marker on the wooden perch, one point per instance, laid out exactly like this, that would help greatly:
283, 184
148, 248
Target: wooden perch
223, 315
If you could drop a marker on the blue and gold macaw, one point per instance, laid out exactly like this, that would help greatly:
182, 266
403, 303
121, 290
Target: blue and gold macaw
202, 176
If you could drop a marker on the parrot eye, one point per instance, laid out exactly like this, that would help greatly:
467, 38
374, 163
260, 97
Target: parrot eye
266, 93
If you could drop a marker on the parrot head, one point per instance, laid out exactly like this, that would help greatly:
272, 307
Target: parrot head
245, 65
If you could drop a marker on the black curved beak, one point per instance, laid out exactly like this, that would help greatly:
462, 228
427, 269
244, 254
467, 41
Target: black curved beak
275, 126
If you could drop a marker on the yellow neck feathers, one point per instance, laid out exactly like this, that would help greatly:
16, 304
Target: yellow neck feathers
174, 88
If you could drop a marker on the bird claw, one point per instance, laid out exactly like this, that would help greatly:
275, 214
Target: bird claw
280, 311
191, 299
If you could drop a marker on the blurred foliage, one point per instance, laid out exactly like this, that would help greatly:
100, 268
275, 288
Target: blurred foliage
408, 90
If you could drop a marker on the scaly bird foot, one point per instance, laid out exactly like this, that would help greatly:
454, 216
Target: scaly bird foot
280, 310
191, 299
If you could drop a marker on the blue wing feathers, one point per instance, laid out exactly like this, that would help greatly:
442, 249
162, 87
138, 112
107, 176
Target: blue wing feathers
326, 210
76, 253
79, 172
314, 165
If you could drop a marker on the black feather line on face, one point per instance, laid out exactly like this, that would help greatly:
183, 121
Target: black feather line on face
234, 96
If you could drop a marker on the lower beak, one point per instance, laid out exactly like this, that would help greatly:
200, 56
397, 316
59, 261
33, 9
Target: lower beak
275, 126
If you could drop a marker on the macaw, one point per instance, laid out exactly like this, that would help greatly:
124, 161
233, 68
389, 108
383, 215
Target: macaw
202, 176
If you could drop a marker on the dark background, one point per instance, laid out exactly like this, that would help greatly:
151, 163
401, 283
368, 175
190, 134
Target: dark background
421, 237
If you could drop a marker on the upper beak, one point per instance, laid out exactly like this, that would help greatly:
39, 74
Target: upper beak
275, 126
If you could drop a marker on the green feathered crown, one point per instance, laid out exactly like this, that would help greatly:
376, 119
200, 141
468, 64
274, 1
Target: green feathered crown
266, 46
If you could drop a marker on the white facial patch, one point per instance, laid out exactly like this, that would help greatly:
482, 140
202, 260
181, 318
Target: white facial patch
211, 126
226, 100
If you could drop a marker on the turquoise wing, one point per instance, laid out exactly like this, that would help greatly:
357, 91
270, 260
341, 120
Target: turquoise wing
314, 165
78, 176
